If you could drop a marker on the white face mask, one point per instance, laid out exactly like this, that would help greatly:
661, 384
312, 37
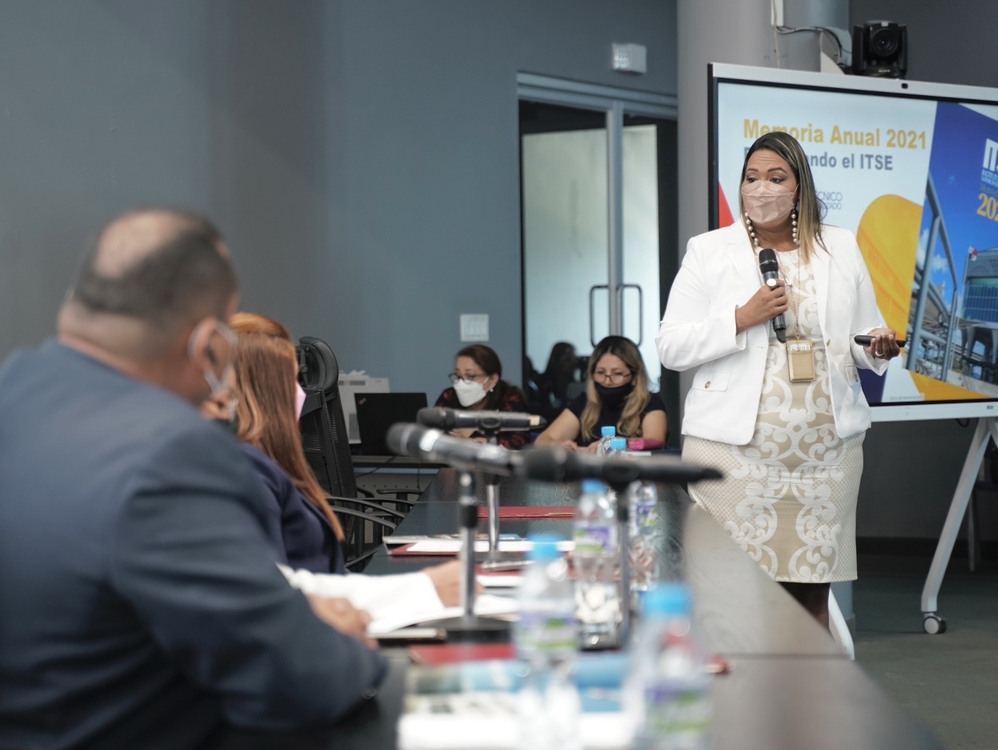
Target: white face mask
766, 201
299, 401
469, 393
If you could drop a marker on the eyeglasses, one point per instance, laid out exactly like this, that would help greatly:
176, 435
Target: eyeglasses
614, 377
454, 377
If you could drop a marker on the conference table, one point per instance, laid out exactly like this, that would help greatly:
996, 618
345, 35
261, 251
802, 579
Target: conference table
790, 686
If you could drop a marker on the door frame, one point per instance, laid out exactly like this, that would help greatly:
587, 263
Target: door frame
614, 102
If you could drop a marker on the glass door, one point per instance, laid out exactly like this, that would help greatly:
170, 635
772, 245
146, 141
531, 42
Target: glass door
598, 237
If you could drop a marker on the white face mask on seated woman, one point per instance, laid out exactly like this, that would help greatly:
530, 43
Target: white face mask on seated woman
469, 392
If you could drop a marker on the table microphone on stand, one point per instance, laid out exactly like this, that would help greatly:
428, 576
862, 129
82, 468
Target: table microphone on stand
490, 423
415, 440
469, 627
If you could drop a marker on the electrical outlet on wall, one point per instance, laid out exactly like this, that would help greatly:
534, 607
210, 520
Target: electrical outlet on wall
475, 327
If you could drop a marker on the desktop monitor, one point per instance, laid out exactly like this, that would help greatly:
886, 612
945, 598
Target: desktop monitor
376, 412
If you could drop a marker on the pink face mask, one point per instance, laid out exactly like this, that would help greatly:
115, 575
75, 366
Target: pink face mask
766, 201
299, 401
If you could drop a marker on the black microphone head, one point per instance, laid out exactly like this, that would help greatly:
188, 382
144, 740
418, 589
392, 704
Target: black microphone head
403, 438
767, 260
547, 464
436, 416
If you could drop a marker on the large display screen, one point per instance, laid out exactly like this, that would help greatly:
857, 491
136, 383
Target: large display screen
912, 169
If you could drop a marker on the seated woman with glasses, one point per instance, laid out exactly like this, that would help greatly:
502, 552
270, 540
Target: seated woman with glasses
478, 385
616, 395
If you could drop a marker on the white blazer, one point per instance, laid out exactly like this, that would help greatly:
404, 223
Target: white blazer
719, 273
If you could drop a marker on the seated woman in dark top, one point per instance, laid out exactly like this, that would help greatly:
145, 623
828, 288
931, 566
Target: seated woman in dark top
300, 522
478, 385
616, 394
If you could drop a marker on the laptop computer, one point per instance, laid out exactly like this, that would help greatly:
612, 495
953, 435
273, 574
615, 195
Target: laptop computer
376, 412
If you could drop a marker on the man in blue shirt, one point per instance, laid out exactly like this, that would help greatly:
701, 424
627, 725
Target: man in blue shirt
139, 602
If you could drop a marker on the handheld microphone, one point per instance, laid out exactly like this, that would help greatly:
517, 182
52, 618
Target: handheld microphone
558, 464
456, 419
423, 442
770, 273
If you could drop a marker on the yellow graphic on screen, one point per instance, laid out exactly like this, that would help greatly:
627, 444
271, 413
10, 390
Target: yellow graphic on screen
888, 238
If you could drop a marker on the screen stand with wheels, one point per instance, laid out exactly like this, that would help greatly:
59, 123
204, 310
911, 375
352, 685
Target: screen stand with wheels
987, 429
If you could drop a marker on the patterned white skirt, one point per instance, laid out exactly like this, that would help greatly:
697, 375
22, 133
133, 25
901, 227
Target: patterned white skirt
789, 496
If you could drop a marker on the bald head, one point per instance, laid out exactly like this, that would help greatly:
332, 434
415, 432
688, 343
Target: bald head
156, 265
152, 271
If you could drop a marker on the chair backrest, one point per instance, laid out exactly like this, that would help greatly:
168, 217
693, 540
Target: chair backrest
323, 429
363, 532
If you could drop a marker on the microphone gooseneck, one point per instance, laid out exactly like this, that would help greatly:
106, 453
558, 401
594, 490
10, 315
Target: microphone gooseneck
549, 463
415, 440
457, 419
558, 464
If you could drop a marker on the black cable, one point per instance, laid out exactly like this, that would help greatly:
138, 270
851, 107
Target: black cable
820, 30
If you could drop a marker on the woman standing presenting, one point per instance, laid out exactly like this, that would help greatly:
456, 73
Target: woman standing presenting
785, 422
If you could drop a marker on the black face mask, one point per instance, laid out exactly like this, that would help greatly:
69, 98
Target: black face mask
612, 397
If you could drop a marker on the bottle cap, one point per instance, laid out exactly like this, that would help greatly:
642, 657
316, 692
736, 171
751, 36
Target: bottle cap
618, 444
668, 598
545, 547
593, 485
610, 430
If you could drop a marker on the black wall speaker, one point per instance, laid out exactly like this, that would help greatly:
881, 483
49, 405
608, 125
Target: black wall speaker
880, 48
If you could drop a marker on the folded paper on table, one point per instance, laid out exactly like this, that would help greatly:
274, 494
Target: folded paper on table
489, 723
485, 604
530, 511
453, 547
462, 704
500, 580
396, 540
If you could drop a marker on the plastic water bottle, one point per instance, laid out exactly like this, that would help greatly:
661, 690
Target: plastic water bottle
645, 536
608, 433
596, 590
547, 643
667, 691
618, 445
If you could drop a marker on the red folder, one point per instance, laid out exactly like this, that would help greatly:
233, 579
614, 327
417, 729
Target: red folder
434, 654
403, 550
511, 512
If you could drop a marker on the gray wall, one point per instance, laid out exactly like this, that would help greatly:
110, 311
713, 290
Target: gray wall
361, 156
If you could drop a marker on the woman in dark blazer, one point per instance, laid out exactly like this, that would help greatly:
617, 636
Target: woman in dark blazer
301, 523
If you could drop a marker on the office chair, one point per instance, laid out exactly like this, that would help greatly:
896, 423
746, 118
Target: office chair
325, 438
363, 533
